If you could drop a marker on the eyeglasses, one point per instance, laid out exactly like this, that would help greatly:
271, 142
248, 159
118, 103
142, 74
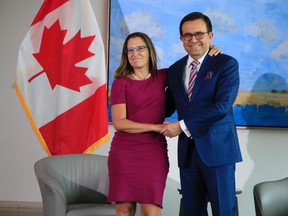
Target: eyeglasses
197, 35
137, 49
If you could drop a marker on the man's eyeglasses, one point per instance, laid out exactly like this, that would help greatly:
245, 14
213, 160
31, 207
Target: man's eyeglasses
197, 35
137, 49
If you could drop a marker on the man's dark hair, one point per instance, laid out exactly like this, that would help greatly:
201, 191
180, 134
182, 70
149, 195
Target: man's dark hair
194, 16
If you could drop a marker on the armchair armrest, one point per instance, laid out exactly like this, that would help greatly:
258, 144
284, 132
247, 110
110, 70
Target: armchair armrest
53, 196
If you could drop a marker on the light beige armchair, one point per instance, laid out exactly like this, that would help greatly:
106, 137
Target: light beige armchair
74, 185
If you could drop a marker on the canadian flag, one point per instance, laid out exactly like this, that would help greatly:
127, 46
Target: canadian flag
61, 78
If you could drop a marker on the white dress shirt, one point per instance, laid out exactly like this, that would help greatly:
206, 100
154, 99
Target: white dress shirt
186, 81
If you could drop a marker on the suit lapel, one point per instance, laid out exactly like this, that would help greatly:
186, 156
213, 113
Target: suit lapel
202, 73
180, 76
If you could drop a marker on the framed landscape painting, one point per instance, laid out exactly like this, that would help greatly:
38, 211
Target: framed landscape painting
255, 32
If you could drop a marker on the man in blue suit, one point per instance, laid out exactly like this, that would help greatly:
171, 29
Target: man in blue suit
208, 145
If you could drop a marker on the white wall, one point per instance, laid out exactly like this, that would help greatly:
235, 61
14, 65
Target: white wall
264, 150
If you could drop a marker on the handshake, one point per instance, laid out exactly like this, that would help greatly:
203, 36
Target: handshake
169, 129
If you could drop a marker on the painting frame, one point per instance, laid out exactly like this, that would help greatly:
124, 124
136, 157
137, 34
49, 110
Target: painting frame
262, 102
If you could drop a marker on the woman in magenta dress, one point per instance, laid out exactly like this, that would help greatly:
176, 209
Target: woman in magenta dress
138, 160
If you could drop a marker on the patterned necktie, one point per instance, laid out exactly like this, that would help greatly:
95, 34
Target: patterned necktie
192, 78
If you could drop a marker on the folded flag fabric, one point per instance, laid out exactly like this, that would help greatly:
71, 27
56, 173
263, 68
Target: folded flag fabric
61, 78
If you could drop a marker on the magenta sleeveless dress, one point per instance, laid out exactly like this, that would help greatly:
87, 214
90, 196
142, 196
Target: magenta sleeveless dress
138, 163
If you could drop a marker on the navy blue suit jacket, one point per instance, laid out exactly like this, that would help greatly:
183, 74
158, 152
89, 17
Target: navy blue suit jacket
209, 115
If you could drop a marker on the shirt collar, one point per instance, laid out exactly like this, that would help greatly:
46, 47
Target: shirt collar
190, 59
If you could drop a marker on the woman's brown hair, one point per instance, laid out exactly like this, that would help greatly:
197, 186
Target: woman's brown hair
125, 68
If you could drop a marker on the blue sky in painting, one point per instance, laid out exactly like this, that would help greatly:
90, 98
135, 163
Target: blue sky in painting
255, 32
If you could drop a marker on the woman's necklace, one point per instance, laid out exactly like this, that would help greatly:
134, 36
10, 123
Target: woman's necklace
138, 78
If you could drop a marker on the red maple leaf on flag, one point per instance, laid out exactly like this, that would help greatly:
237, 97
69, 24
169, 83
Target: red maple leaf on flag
59, 60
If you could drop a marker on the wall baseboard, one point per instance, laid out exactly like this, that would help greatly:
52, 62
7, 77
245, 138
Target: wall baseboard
20, 205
